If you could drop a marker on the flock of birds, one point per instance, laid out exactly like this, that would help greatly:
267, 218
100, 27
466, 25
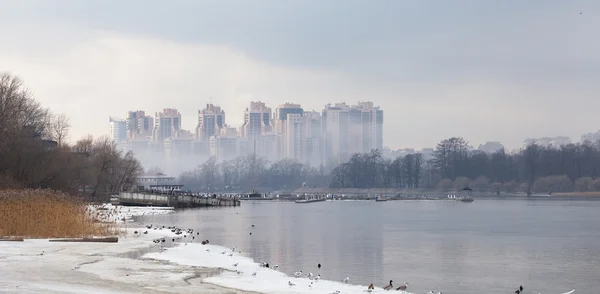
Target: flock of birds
189, 236
107, 213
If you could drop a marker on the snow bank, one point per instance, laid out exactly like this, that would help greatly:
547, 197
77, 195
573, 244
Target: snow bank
39, 266
266, 280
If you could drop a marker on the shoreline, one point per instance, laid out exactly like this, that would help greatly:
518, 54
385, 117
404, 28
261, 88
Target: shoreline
41, 266
137, 265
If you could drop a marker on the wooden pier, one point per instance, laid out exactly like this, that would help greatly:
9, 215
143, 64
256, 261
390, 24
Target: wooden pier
176, 201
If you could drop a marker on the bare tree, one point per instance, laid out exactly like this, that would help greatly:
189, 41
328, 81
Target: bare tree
59, 128
84, 145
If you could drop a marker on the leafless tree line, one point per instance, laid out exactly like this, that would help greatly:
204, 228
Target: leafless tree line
34, 150
372, 170
533, 169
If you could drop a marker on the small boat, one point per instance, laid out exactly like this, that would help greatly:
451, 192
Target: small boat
311, 198
379, 198
256, 196
461, 199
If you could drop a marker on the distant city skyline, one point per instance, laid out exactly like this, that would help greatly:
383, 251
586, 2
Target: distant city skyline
190, 123
288, 131
482, 70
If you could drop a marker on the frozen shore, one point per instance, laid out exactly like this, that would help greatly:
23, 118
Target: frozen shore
39, 266
138, 265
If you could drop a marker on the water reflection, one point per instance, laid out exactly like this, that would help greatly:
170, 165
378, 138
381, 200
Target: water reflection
442, 246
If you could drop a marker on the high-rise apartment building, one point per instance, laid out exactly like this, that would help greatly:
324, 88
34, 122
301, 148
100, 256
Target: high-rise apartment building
167, 124
257, 120
139, 125
288, 124
351, 129
226, 144
210, 121
292, 138
118, 130
311, 138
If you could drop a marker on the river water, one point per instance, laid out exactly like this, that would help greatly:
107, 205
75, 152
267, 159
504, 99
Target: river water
487, 246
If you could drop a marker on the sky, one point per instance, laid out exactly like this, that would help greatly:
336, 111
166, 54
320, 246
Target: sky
480, 69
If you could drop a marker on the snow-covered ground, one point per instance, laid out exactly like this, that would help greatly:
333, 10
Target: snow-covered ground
136, 264
39, 266
245, 274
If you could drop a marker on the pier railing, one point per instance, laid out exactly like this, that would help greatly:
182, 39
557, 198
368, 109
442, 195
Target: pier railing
176, 201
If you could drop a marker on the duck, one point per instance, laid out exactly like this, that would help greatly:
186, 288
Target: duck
388, 287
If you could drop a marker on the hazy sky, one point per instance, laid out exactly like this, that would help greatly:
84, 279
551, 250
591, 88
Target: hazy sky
483, 70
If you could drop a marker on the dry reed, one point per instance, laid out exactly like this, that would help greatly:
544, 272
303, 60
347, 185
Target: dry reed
47, 214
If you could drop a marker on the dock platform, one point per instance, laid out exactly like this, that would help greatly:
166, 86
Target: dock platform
175, 201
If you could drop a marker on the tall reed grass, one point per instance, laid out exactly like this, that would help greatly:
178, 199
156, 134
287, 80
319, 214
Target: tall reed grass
47, 214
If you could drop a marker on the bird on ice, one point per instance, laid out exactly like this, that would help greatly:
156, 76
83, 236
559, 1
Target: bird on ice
346, 280
403, 287
291, 284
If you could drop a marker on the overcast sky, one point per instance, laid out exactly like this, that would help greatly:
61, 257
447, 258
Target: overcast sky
483, 70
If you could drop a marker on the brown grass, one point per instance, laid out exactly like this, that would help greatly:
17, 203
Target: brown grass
47, 214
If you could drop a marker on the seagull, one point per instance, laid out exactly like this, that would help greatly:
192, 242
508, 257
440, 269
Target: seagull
239, 272
298, 274
317, 277
403, 287
291, 284
346, 280
275, 266
254, 274
235, 264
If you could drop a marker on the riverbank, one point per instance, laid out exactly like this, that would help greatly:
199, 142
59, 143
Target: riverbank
141, 262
